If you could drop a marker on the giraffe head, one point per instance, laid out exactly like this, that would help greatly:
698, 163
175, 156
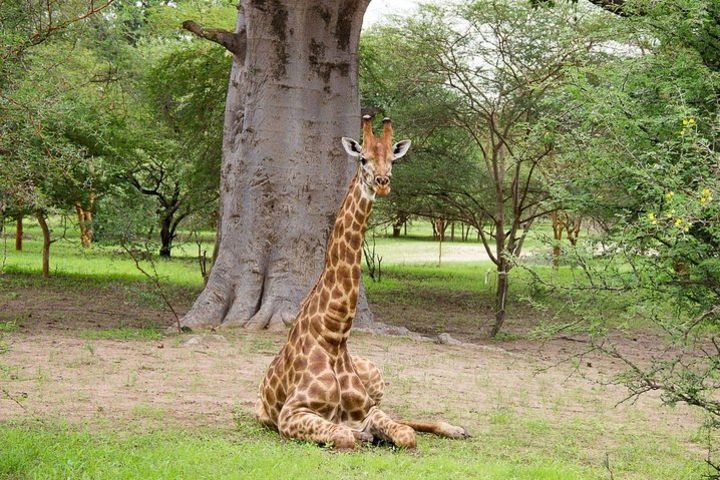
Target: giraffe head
376, 156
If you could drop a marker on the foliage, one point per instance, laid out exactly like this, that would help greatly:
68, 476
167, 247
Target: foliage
646, 126
113, 115
480, 76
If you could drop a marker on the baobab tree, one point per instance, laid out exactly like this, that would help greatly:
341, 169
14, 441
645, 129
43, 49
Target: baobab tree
293, 93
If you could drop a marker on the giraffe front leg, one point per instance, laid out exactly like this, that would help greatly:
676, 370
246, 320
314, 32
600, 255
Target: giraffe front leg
370, 377
380, 425
304, 424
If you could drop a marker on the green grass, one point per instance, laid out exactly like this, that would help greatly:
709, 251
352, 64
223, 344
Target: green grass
40, 453
9, 326
512, 448
122, 333
101, 262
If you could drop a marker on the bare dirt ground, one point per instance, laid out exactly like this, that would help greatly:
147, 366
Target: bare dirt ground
204, 379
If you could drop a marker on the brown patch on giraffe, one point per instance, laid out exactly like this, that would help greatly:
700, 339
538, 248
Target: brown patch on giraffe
347, 283
313, 308
337, 293
327, 378
355, 241
300, 363
338, 307
316, 391
317, 357
335, 254
329, 277
359, 217
324, 299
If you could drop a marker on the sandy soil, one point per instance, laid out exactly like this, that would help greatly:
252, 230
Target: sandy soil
202, 379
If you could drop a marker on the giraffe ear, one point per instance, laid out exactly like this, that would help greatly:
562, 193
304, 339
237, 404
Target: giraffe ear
352, 147
401, 148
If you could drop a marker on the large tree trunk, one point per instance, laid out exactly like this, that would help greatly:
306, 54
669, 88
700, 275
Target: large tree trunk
293, 93
46, 244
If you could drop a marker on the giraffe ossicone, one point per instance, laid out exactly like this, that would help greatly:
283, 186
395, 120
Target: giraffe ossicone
314, 389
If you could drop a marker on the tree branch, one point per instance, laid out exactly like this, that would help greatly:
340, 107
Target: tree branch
234, 42
614, 6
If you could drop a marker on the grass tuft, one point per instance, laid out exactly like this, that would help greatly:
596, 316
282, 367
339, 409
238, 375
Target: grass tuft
122, 333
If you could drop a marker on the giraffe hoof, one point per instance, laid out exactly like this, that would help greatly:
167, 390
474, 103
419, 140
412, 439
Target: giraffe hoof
364, 437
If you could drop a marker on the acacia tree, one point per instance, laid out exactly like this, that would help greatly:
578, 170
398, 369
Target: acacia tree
442, 155
646, 127
292, 95
29, 25
500, 61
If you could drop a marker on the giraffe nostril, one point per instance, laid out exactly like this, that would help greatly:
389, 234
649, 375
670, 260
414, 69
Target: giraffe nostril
382, 180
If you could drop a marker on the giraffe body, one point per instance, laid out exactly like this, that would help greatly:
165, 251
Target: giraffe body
314, 389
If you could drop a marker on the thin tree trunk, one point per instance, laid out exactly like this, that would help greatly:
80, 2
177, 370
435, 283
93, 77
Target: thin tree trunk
166, 235
85, 225
46, 244
557, 227
573, 231
19, 233
293, 94
500, 298
498, 162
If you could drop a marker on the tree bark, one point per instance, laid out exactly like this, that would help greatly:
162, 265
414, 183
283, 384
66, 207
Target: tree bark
166, 236
557, 226
46, 244
19, 233
293, 94
85, 223
500, 298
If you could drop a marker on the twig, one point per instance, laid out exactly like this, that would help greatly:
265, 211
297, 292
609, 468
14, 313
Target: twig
12, 398
154, 278
606, 464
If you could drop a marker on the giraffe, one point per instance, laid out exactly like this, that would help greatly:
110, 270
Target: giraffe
314, 390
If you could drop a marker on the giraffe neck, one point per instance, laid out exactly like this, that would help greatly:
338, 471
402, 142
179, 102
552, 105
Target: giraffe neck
337, 289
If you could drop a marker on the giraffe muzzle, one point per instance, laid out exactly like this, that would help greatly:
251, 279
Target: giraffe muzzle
382, 185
